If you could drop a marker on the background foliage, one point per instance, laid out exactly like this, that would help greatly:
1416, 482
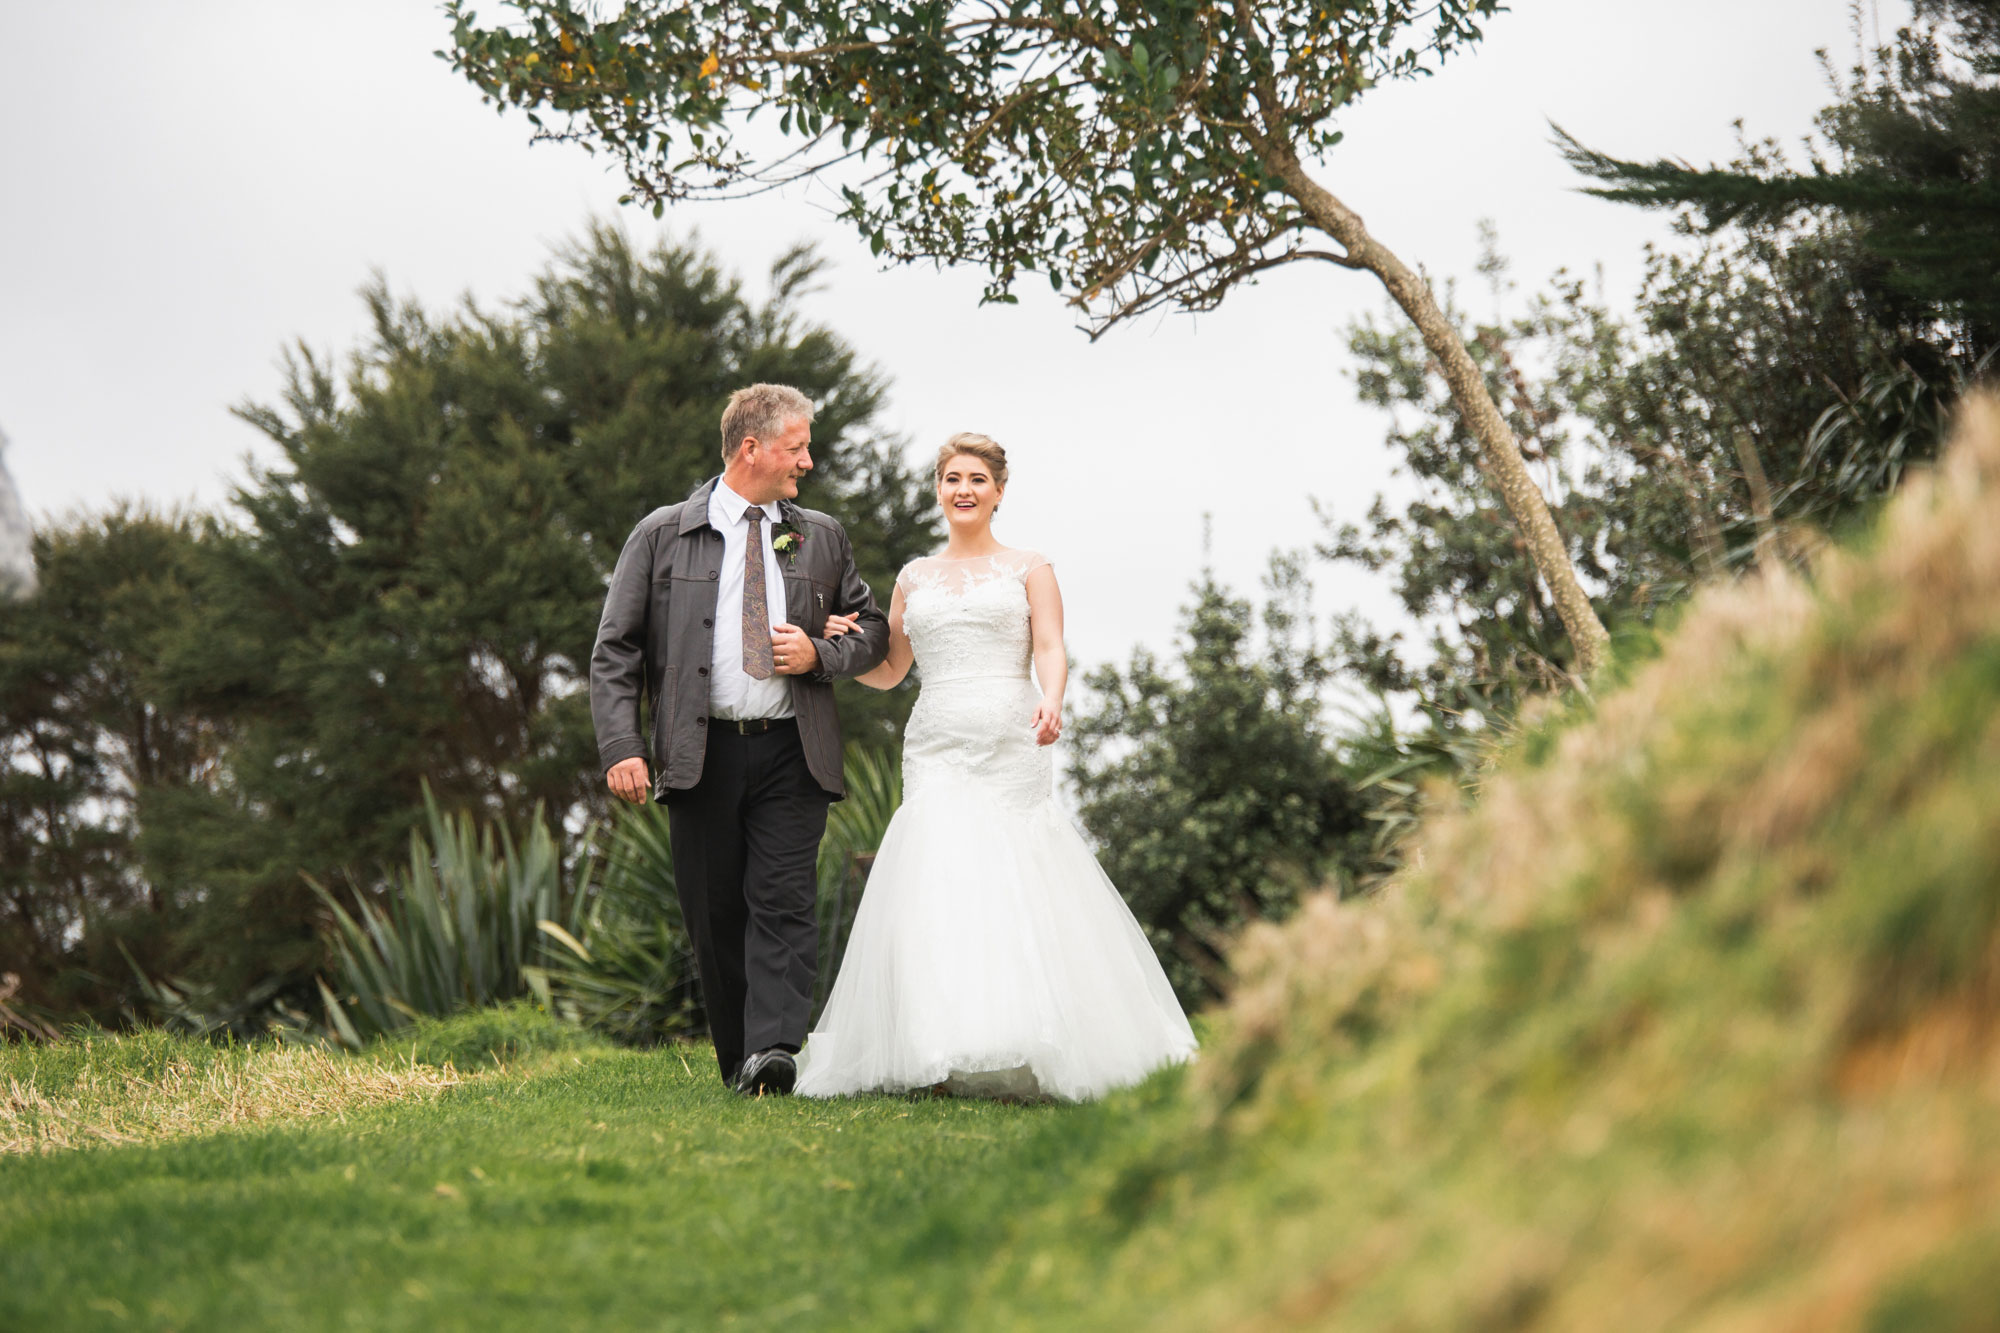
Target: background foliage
627, 968
1133, 153
1139, 155
201, 714
1909, 160
462, 926
1786, 364
202, 711
1211, 784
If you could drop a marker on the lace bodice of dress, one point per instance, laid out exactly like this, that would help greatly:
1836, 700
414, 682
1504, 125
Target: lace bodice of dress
967, 622
969, 617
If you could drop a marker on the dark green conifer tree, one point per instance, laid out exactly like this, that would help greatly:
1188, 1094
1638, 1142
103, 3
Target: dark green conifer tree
1211, 785
1913, 167
87, 740
409, 594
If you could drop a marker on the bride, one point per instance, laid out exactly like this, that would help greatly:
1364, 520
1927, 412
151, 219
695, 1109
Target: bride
990, 955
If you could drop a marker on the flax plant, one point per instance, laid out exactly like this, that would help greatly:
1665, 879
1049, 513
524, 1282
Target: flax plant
627, 969
629, 972
459, 930
854, 831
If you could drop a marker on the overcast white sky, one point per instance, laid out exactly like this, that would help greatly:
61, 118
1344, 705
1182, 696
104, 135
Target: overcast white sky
203, 181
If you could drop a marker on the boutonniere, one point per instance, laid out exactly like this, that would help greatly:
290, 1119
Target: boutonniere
786, 539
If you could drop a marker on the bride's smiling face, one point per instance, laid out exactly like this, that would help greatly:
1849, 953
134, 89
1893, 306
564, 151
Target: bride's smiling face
967, 493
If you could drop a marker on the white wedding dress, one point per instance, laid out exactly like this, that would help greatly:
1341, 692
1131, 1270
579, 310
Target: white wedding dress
990, 953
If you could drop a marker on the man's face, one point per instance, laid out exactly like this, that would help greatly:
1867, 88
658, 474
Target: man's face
772, 468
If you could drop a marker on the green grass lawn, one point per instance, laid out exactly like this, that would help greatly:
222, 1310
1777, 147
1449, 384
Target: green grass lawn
583, 1187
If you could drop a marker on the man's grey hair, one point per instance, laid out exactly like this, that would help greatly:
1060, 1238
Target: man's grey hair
763, 411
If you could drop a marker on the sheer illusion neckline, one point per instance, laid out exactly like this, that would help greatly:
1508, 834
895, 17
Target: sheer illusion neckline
962, 573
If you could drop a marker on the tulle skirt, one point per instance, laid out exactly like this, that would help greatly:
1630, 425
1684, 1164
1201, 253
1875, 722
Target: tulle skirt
992, 955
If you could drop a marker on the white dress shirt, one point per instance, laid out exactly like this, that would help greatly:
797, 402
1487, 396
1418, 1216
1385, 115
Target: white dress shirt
732, 693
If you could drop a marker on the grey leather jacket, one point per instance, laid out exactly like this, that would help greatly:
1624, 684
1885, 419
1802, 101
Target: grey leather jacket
657, 636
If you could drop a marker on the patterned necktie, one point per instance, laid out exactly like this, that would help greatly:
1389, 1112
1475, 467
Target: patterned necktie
756, 602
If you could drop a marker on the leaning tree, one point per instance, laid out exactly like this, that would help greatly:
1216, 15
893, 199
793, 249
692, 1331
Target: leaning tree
1137, 153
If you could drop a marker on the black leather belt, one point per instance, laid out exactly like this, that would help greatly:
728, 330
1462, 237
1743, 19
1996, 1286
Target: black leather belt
752, 726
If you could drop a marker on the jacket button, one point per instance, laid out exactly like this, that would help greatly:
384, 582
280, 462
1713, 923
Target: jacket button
701, 671
701, 722
715, 573
707, 623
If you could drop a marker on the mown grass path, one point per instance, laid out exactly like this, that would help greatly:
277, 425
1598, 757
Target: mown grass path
606, 1189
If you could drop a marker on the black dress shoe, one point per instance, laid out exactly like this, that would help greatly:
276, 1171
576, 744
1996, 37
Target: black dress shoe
773, 1071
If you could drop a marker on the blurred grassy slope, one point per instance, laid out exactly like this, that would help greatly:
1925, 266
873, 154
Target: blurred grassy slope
1688, 1023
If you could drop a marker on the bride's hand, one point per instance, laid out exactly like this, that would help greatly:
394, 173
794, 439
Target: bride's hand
837, 625
1047, 722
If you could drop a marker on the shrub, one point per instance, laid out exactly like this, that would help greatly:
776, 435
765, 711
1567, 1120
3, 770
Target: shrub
628, 972
461, 926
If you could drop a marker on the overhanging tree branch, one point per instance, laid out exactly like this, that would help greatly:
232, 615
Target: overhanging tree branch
1159, 162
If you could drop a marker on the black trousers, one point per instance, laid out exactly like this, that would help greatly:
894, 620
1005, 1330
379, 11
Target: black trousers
746, 838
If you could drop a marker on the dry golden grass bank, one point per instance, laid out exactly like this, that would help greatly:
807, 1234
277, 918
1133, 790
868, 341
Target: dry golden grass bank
1775, 708
1689, 1022
99, 1093
150, 1086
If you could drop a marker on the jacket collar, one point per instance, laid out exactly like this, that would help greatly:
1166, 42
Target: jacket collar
698, 498
697, 504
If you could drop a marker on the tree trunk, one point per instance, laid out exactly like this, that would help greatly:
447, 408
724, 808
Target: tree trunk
1505, 468
1770, 547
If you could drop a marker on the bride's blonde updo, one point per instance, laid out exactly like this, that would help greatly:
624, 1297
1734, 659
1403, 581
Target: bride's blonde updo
982, 447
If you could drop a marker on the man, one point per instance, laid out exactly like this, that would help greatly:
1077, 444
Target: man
715, 615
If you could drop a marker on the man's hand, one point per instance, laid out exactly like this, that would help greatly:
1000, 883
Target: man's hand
627, 780
792, 653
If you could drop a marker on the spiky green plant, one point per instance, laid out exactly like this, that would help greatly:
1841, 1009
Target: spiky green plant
629, 971
458, 930
1397, 773
21, 1017
1861, 447
854, 831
